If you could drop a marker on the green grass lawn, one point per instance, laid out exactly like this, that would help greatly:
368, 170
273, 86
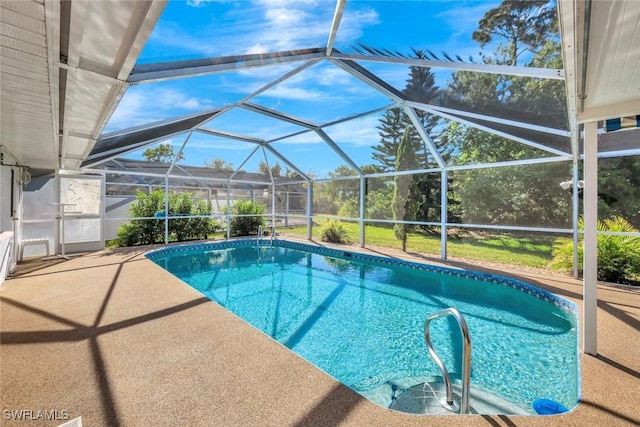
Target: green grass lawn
530, 250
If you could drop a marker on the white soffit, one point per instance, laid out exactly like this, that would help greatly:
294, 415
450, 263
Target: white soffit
27, 118
612, 83
64, 65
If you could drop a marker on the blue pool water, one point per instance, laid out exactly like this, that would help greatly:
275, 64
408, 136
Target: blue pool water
360, 318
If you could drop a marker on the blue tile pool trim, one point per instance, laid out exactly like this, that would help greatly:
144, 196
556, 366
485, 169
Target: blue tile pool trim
559, 302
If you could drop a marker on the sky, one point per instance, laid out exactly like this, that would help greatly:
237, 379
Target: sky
323, 93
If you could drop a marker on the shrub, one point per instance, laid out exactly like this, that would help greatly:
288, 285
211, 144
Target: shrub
128, 235
203, 227
618, 256
181, 205
335, 232
146, 231
250, 220
181, 227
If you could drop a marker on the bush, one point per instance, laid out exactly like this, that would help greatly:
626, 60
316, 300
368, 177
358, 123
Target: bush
145, 231
152, 205
250, 220
618, 256
335, 232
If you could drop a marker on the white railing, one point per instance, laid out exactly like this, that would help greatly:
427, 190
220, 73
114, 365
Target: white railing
7, 261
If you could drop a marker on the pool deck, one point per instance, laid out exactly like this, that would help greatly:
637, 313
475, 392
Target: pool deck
114, 339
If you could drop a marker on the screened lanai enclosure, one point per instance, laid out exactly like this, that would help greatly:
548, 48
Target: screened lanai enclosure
429, 118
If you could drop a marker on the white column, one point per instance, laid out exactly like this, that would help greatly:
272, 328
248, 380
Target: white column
444, 188
166, 209
309, 210
273, 207
229, 210
363, 194
286, 209
575, 202
590, 289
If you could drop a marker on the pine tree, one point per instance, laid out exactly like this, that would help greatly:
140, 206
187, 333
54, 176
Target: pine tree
406, 197
420, 87
391, 127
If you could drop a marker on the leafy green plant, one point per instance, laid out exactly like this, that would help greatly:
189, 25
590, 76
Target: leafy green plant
182, 225
249, 218
145, 231
618, 256
335, 232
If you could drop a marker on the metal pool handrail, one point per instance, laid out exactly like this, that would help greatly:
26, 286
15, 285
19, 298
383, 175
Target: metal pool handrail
466, 359
259, 236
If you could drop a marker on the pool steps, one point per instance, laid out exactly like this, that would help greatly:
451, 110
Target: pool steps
425, 395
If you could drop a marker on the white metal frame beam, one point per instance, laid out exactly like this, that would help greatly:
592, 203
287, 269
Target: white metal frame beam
524, 141
172, 70
327, 139
433, 150
335, 25
546, 73
255, 108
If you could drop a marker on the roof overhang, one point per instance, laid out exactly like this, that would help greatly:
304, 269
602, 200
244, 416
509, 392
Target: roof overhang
64, 70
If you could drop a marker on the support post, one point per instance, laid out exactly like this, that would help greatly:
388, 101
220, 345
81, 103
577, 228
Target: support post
273, 207
363, 195
309, 210
228, 211
166, 210
286, 209
444, 188
590, 268
574, 219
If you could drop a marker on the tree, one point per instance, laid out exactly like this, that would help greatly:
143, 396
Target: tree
219, 165
264, 169
519, 26
390, 129
162, 153
420, 87
406, 198
519, 32
619, 188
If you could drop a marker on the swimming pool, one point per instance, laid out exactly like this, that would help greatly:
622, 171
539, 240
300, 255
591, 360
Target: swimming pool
360, 318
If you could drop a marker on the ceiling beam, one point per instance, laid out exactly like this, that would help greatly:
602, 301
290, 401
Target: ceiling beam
289, 164
424, 135
510, 70
282, 78
484, 117
369, 78
230, 135
335, 147
196, 67
335, 25
469, 123
277, 115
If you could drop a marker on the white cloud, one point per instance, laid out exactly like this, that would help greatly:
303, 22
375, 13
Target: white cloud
290, 92
200, 3
358, 132
263, 26
146, 104
353, 23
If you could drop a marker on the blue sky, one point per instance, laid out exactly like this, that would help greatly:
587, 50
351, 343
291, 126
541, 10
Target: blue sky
210, 28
